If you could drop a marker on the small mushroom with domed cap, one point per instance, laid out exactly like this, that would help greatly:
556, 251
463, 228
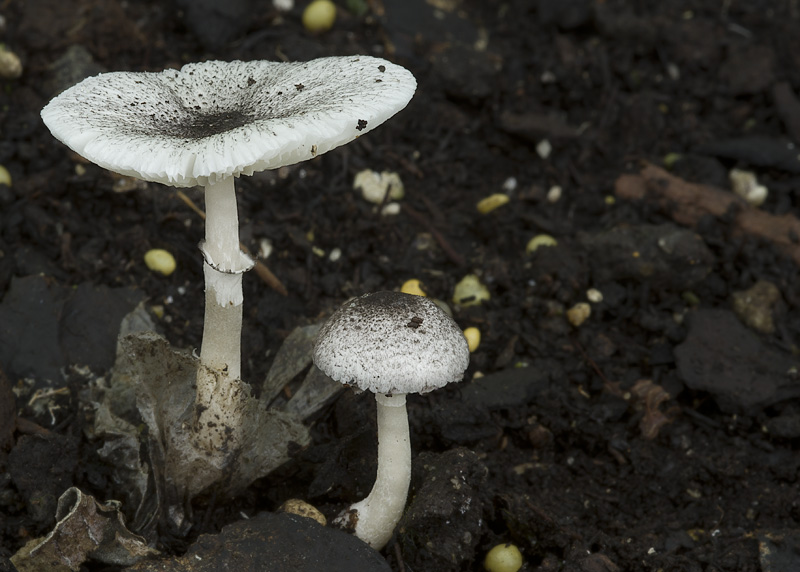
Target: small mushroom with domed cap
206, 124
391, 344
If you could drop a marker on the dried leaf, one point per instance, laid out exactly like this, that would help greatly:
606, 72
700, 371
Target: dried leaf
164, 380
85, 529
293, 357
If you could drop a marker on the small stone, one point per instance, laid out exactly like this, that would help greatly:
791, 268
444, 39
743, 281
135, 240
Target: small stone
390, 209
10, 64
554, 194
594, 295
544, 148
579, 313
754, 306
376, 186
745, 184
302, 508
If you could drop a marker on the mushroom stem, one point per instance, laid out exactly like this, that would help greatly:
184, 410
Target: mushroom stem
222, 225
219, 389
377, 515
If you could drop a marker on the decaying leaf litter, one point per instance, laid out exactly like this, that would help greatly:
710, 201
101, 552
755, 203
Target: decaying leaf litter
566, 447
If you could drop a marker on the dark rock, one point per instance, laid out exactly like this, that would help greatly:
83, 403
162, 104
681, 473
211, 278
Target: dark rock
29, 314
41, 468
90, 323
464, 416
75, 65
779, 550
445, 489
45, 327
788, 107
701, 169
748, 70
722, 357
467, 74
755, 150
672, 256
534, 127
695, 42
786, 425
625, 26
8, 413
278, 542
216, 23
566, 14
405, 21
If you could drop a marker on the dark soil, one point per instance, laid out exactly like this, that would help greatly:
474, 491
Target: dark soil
660, 434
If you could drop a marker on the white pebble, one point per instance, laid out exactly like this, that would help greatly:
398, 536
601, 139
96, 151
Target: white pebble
554, 194
543, 149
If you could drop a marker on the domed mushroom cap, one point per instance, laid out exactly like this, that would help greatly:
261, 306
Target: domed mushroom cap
390, 342
212, 120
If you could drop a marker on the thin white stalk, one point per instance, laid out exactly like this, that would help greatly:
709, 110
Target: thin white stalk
378, 514
219, 388
222, 225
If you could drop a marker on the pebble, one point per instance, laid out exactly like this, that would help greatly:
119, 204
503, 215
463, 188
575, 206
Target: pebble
579, 313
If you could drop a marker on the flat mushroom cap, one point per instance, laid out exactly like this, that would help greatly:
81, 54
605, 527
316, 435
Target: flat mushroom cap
212, 120
390, 342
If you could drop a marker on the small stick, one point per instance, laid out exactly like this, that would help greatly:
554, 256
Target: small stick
445, 246
688, 202
261, 269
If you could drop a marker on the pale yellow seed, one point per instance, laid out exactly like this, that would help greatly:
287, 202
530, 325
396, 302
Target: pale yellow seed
319, 16
413, 286
492, 202
540, 240
470, 291
473, 336
158, 311
5, 176
503, 558
160, 260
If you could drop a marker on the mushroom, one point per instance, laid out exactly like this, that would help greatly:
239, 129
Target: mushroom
392, 344
206, 124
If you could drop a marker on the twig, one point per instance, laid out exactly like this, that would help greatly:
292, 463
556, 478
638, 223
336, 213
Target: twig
688, 202
445, 246
261, 269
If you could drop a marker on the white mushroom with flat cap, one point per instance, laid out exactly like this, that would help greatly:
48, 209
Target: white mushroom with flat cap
206, 124
392, 344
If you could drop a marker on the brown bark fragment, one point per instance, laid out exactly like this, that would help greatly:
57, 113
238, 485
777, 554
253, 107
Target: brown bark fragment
688, 202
